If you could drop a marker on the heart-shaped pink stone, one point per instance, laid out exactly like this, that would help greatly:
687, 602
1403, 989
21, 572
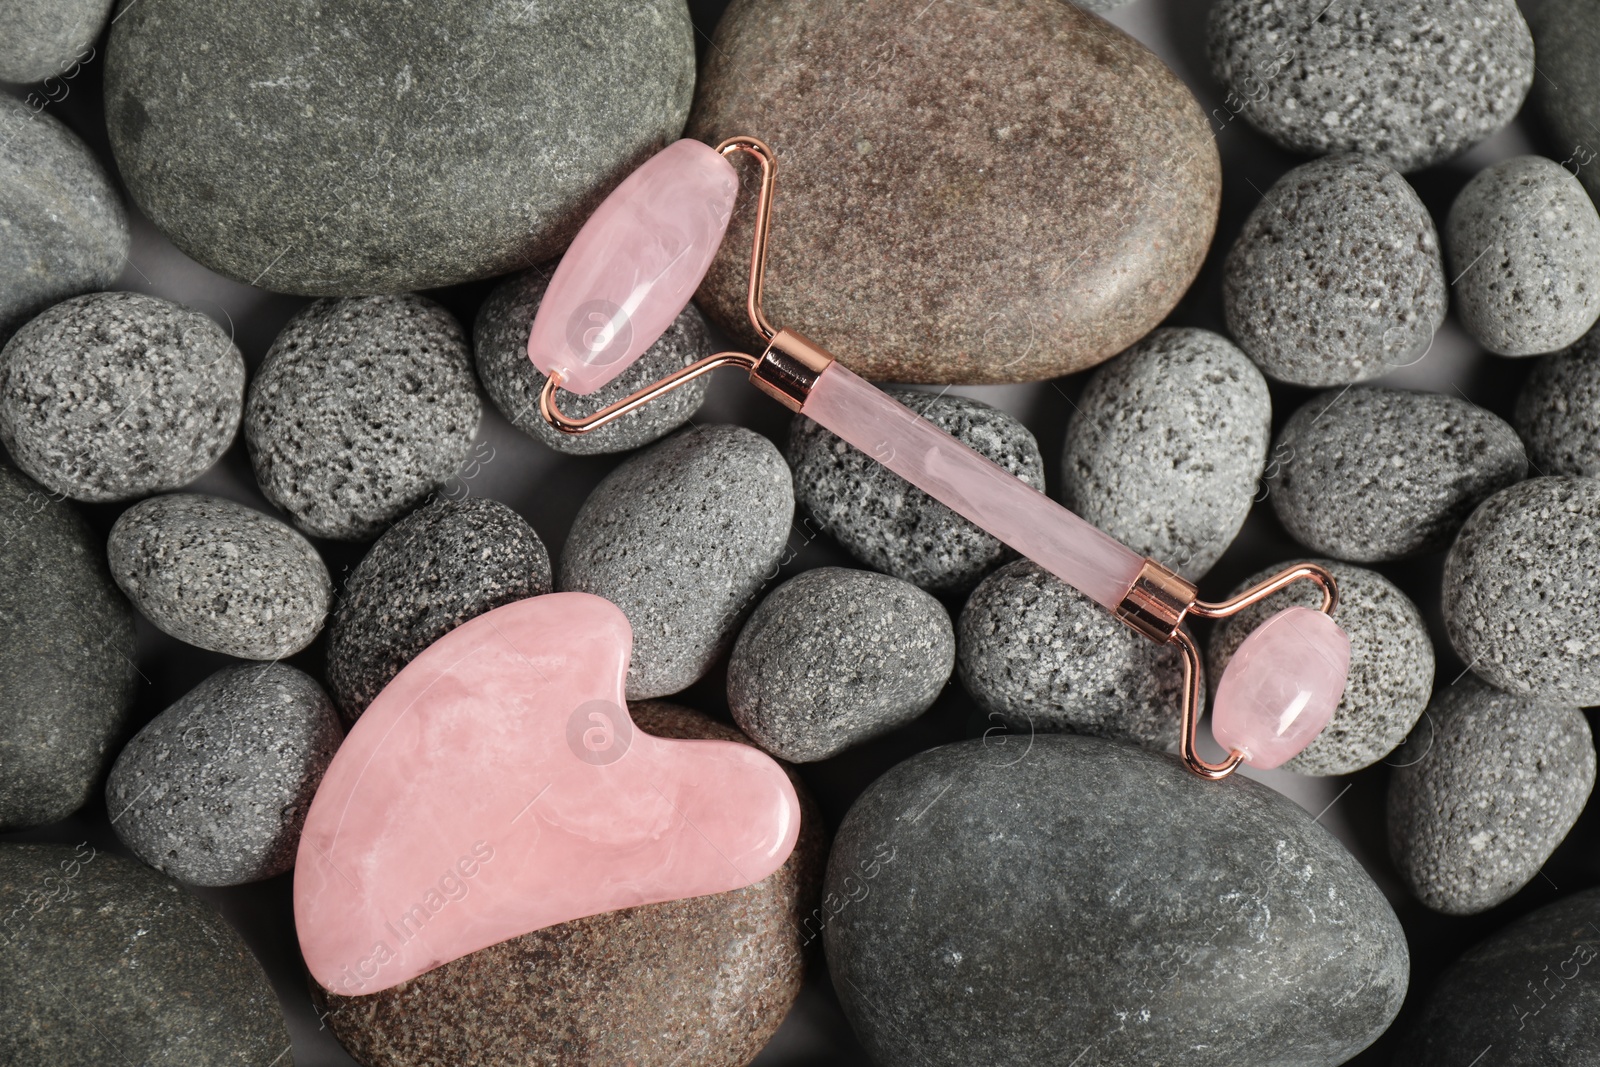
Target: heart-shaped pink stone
498, 786
1281, 687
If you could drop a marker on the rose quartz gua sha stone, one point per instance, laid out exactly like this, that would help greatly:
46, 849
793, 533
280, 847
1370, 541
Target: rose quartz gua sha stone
498, 786
1281, 687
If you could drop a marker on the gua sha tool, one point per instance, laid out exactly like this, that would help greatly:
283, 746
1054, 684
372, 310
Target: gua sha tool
498, 786
639, 259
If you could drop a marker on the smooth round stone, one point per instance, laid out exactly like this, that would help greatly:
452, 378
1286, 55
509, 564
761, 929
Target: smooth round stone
362, 408
467, 139
1167, 445
49, 38
214, 790
1035, 231
1391, 664
703, 981
1522, 590
1411, 81
1336, 276
1038, 656
500, 340
1377, 474
105, 961
220, 576
67, 673
1281, 687
432, 571
115, 396
1491, 785
65, 228
1111, 899
1558, 410
888, 524
1566, 37
682, 537
1524, 246
834, 657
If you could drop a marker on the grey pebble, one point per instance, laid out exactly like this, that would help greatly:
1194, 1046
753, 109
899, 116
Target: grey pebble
1378, 474
1558, 410
1566, 37
1336, 276
1391, 664
1166, 447
220, 576
1039, 656
65, 228
49, 39
1522, 590
361, 409
429, 573
115, 396
986, 908
67, 669
834, 657
214, 790
886, 523
1490, 785
1412, 81
683, 537
500, 341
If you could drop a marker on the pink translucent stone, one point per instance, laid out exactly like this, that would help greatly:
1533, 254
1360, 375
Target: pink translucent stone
633, 266
498, 786
1281, 687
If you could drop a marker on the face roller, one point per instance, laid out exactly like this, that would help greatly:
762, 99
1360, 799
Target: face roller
637, 262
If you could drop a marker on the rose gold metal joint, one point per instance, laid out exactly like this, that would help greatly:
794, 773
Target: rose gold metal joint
1156, 601
790, 367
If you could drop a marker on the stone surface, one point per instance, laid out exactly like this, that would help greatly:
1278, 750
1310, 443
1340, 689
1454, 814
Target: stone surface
1040, 227
361, 409
465, 140
1491, 785
220, 576
115, 396
704, 981
1411, 81
1166, 447
49, 39
1521, 590
886, 523
66, 230
1377, 474
1038, 656
1524, 247
105, 961
1111, 899
500, 341
833, 657
683, 537
1566, 37
1336, 276
432, 571
1558, 410
67, 672
1391, 664
213, 791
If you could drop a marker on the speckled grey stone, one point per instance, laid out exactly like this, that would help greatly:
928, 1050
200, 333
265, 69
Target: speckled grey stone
1166, 447
67, 672
49, 38
1391, 664
1558, 410
1566, 37
500, 341
1039, 656
886, 523
105, 961
361, 409
1375, 474
432, 571
683, 537
214, 790
1336, 276
115, 396
1092, 896
220, 576
1490, 786
1412, 81
834, 657
1522, 590
65, 229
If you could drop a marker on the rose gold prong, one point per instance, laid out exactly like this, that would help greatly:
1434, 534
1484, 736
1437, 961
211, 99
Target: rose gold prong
758, 247
567, 424
1192, 704
1257, 593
